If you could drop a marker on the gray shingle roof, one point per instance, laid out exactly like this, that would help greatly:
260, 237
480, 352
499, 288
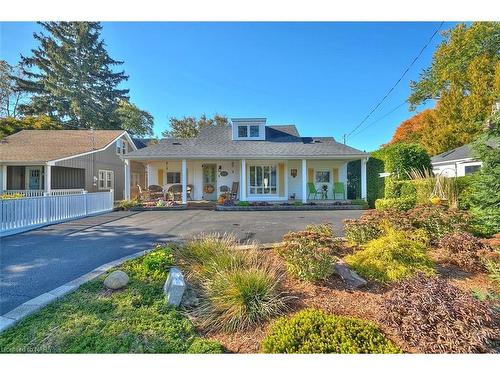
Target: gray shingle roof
216, 142
462, 152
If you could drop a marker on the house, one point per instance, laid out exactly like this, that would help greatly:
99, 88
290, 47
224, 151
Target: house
269, 162
58, 162
455, 163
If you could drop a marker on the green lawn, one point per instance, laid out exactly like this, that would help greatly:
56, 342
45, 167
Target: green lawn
95, 320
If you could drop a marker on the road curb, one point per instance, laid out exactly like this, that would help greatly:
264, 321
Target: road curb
15, 315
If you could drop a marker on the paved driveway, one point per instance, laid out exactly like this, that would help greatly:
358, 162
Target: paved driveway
36, 262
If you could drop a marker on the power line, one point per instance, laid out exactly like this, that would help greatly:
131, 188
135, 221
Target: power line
398, 81
380, 118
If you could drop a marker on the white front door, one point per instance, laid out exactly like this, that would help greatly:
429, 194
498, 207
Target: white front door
33, 178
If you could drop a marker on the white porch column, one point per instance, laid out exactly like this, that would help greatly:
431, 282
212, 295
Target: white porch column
363, 178
127, 180
47, 178
304, 181
148, 169
3, 187
243, 180
184, 181
286, 179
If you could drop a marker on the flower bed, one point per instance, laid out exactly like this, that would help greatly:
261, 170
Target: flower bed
286, 206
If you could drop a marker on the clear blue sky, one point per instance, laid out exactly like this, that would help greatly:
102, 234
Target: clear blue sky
322, 77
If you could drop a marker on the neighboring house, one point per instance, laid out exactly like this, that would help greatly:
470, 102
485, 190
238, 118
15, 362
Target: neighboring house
53, 162
270, 163
455, 163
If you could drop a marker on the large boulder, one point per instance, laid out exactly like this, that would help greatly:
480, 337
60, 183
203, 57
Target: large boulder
116, 280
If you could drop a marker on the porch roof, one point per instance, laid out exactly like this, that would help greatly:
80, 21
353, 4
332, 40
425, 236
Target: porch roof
40, 146
216, 142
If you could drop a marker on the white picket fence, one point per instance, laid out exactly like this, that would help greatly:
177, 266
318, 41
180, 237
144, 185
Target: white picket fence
19, 215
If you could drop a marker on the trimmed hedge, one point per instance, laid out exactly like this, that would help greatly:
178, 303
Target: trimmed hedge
313, 331
375, 184
402, 204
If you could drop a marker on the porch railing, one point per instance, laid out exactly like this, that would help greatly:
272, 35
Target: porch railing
40, 193
19, 215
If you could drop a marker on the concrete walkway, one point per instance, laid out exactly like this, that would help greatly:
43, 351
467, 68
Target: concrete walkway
35, 262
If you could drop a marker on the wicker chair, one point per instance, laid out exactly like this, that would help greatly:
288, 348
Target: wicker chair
155, 191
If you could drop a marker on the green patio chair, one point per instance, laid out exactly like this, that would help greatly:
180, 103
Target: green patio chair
338, 188
311, 189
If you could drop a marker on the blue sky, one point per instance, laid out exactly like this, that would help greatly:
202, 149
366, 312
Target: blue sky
322, 77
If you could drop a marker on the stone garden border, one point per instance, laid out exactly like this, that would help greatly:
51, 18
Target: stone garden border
318, 207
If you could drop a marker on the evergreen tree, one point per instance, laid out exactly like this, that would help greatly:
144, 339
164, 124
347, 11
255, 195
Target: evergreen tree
70, 77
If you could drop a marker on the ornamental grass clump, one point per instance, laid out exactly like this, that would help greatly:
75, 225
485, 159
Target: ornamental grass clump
433, 316
313, 331
463, 250
392, 257
238, 288
310, 254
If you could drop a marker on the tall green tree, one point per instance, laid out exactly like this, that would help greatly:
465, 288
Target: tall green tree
10, 97
464, 79
189, 127
71, 77
134, 120
11, 125
485, 200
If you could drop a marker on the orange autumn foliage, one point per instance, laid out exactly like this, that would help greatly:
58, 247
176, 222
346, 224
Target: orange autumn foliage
415, 129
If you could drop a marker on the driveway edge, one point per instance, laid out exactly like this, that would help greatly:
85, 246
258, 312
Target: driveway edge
15, 315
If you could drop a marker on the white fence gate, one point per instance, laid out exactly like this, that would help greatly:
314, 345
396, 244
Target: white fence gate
19, 215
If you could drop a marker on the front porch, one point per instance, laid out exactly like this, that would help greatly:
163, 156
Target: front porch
255, 180
40, 180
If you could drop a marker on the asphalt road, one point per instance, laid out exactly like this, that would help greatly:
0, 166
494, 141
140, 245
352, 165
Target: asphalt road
38, 261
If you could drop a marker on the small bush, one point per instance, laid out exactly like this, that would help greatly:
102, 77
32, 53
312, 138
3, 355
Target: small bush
434, 316
313, 331
243, 204
238, 289
392, 257
159, 260
128, 204
11, 196
204, 346
491, 261
463, 250
310, 254
402, 204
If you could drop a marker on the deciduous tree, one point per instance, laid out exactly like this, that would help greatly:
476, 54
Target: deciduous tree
189, 127
134, 120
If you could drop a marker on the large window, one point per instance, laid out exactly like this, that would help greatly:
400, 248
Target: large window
173, 177
263, 179
323, 176
106, 180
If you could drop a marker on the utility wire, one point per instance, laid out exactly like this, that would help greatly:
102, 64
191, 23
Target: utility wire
398, 81
379, 119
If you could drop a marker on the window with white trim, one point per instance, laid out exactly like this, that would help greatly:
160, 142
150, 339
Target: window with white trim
248, 131
322, 176
173, 177
263, 179
121, 147
106, 180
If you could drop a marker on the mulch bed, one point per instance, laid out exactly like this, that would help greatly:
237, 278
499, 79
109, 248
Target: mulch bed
334, 297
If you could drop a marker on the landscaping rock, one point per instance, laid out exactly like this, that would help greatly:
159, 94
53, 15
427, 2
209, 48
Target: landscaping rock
351, 278
116, 280
190, 298
174, 287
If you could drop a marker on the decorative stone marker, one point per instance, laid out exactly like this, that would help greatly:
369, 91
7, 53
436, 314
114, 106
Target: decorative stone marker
116, 280
174, 287
351, 278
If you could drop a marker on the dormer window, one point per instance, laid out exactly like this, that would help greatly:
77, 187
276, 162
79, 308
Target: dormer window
249, 129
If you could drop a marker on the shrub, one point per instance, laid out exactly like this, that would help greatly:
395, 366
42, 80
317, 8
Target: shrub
159, 260
491, 261
434, 316
463, 250
238, 288
402, 204
127, 204
313, 331
243, 203
11, 196
310, 254
401, 158
392, 257
374, 183
204, 346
